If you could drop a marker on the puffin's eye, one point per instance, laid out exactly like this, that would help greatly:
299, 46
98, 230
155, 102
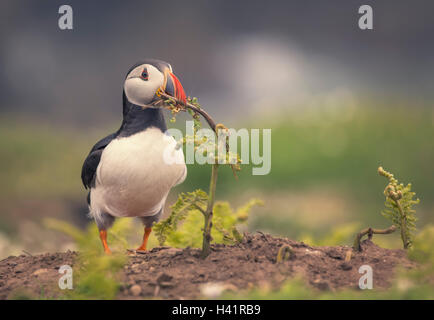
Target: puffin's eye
144, 75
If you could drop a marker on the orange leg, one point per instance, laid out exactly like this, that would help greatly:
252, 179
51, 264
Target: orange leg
145, 239
103, 237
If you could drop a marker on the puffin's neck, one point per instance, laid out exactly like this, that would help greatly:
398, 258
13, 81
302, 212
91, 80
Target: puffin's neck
137, 120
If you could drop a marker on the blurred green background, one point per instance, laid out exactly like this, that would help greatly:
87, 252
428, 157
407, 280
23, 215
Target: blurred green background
323, 175
340, 102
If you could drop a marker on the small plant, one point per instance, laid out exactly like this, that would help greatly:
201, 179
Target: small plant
186, 202
95, 273
197, 199
399, 206
399, 209
180, 228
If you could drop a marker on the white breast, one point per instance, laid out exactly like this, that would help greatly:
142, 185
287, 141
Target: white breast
134, 178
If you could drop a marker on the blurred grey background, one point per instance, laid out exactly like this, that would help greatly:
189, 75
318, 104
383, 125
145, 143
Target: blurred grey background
228, 53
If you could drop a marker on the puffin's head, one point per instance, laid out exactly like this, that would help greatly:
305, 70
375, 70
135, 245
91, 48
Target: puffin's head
144, 79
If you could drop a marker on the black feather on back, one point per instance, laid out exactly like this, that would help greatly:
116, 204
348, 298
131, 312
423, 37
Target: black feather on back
88, 171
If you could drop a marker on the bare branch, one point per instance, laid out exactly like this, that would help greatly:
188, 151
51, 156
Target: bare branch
370, 232
166, 101
203, 113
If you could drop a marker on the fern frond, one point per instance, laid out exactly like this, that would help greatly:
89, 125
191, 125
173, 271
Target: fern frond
399, 206
180, 210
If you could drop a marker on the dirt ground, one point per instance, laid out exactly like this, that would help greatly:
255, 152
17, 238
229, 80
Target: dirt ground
171, 273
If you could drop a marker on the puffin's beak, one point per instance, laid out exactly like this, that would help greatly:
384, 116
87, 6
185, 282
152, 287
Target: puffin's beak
174, 87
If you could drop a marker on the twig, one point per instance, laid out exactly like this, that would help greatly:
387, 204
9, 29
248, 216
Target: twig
28, 253
208, 212
200, 209
263, 235
165, 98
348, 255
370, 232
396, 196
285, 253
176, 105
206, 246
187, 105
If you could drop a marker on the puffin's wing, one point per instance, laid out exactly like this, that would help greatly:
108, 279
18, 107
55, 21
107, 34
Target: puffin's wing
91, 163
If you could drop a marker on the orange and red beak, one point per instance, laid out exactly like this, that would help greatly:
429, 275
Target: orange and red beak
174, 87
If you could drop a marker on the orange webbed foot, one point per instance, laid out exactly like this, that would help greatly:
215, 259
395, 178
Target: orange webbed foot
103, 237
142, 248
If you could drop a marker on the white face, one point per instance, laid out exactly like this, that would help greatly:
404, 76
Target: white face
142, 83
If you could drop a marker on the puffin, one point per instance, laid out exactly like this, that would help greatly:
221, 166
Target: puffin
127, 172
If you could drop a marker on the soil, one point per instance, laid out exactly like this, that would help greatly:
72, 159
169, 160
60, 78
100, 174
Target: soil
171, 273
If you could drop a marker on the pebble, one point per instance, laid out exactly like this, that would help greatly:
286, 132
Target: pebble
346, 266
136, 290
321, 284
212, 290
164, 277
165, 280
20, 268
135, 269
172, 252
40, 271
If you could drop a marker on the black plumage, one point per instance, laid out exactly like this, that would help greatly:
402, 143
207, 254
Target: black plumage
135, 119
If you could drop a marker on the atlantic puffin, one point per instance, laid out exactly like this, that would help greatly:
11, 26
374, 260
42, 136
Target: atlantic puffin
125, 172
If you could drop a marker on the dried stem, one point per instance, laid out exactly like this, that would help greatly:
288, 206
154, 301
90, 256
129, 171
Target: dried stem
208, 213
370, 232
206, 244
187, 105
184, 106
285, 253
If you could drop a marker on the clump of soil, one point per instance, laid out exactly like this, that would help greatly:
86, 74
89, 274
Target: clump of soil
172, 273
